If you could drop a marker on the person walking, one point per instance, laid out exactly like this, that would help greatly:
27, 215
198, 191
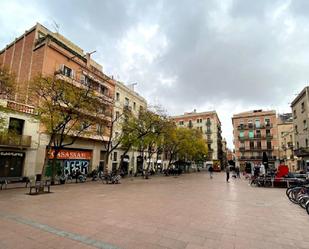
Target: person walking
237, 169
211, 170
227, 170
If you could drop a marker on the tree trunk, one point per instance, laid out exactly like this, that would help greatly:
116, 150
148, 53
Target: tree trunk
53, 168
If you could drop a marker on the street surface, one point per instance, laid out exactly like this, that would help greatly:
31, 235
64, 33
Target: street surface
186, 212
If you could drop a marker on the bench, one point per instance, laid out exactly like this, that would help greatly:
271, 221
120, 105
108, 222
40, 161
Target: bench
4, 181
37, 186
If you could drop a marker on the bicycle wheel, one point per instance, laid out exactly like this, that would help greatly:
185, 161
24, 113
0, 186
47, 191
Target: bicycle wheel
293, 194
307, 207
303, 201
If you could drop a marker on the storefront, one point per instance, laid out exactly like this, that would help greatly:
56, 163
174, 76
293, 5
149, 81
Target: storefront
11, 163
70, 160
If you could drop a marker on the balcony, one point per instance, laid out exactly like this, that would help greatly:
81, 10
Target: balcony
19, 107
256, 137
10, 140
253, 126
82, 84
248, 158
256, 148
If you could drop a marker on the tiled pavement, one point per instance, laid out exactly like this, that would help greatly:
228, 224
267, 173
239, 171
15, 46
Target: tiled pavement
186, 212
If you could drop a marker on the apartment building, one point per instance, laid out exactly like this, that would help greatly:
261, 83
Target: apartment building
300, 110
41, 52
210, 125
285, 140
125, 98
255, 134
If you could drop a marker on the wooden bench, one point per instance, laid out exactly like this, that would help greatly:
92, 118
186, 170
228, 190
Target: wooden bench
37, 186
4, 181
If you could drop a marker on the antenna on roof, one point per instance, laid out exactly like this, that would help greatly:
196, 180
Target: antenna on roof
56, 26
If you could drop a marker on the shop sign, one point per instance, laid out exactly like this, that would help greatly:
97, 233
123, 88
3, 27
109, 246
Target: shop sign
11, 153
72, 154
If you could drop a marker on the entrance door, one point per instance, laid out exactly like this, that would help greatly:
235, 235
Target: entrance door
11, 164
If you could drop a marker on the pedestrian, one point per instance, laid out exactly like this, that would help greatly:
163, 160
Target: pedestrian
227, 170
237, 172
211, 170
262, 170
77, 174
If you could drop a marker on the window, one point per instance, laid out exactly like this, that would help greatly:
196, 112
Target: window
16, 126
134, 106
116, 134
99, 129
294, 114
103, 90
242, 145
258, 144
305, 124
117, 115
208, 122
67, 71
267, 121
306, 143
251, 145
297, 144
251, 134
180, 122
241, 134
190, 124
257, 123
126, 102
250, 124
115, 156
117, 96
258, 133
296, 131
241, 124
269, 145
268, 134
302, 107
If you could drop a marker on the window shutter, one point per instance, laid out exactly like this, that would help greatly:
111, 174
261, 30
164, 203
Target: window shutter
72, 74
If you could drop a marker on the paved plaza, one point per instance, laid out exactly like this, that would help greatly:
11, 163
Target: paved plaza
186, 212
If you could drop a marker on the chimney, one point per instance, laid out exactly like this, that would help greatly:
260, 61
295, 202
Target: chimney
88, 59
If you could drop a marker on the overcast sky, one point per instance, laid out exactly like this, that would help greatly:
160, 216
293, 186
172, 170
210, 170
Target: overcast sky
229, 56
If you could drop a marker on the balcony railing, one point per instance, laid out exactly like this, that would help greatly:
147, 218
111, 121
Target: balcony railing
256, 148
270, 158
15, 140
256, 137
19, 107
81, 84
253, 126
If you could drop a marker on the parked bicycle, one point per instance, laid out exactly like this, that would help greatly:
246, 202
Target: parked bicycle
111, 178
299, 194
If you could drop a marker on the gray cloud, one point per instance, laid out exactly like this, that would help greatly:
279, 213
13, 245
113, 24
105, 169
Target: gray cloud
228, 55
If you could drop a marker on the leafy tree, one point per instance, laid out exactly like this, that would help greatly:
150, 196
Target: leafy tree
7, 89
67, 112
184, 144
